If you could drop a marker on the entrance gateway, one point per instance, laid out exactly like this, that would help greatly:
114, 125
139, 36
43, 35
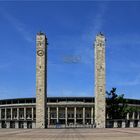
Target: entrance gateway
41, 82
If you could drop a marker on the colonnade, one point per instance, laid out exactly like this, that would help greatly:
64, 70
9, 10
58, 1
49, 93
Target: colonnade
62, 115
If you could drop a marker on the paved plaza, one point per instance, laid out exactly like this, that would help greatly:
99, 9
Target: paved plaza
70, 134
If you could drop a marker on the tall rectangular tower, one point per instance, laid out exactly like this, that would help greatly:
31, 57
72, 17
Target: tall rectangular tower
41, 63
100, 100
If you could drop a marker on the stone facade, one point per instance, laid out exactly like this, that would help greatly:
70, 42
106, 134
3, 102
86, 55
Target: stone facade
41, 52
62, 112
100, 104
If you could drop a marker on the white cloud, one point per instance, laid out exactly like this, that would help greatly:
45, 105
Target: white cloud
19, 26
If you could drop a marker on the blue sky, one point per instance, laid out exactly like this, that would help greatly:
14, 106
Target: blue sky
71, 28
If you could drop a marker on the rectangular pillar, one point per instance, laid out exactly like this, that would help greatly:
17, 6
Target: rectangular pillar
115, 125
16, 124
24, 113
66, 116
138, 117
17, 113
83, 115
92, 116
11, 113
107, 116
33, 125
127, 116
0, 113
133, 116
32, 113
100, 83
7, 124
41, 79
74, 115
139, 123
131, 124
5, 113
25, 124
48, 116
57, 114
123, 124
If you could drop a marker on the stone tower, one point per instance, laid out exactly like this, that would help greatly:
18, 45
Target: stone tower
41, 71
100, 101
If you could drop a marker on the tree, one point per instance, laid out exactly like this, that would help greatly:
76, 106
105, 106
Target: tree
116, 105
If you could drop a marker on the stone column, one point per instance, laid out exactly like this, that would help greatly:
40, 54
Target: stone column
48, 116
92, 116
107, 116
32, 113
5, 113
11, 113
131, 124
24, 113
33, 125
138, 117
66, 116
75, 116
115, 125
139, 123
16, 124
123, 124
133, 116
8, 124
17, 113
0, 117
83, 115
57, 114
0, 113
25, 124
127, 116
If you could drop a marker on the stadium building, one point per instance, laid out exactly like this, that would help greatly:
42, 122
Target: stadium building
64, 112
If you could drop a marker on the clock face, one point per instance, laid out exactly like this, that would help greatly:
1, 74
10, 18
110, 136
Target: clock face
40, 52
